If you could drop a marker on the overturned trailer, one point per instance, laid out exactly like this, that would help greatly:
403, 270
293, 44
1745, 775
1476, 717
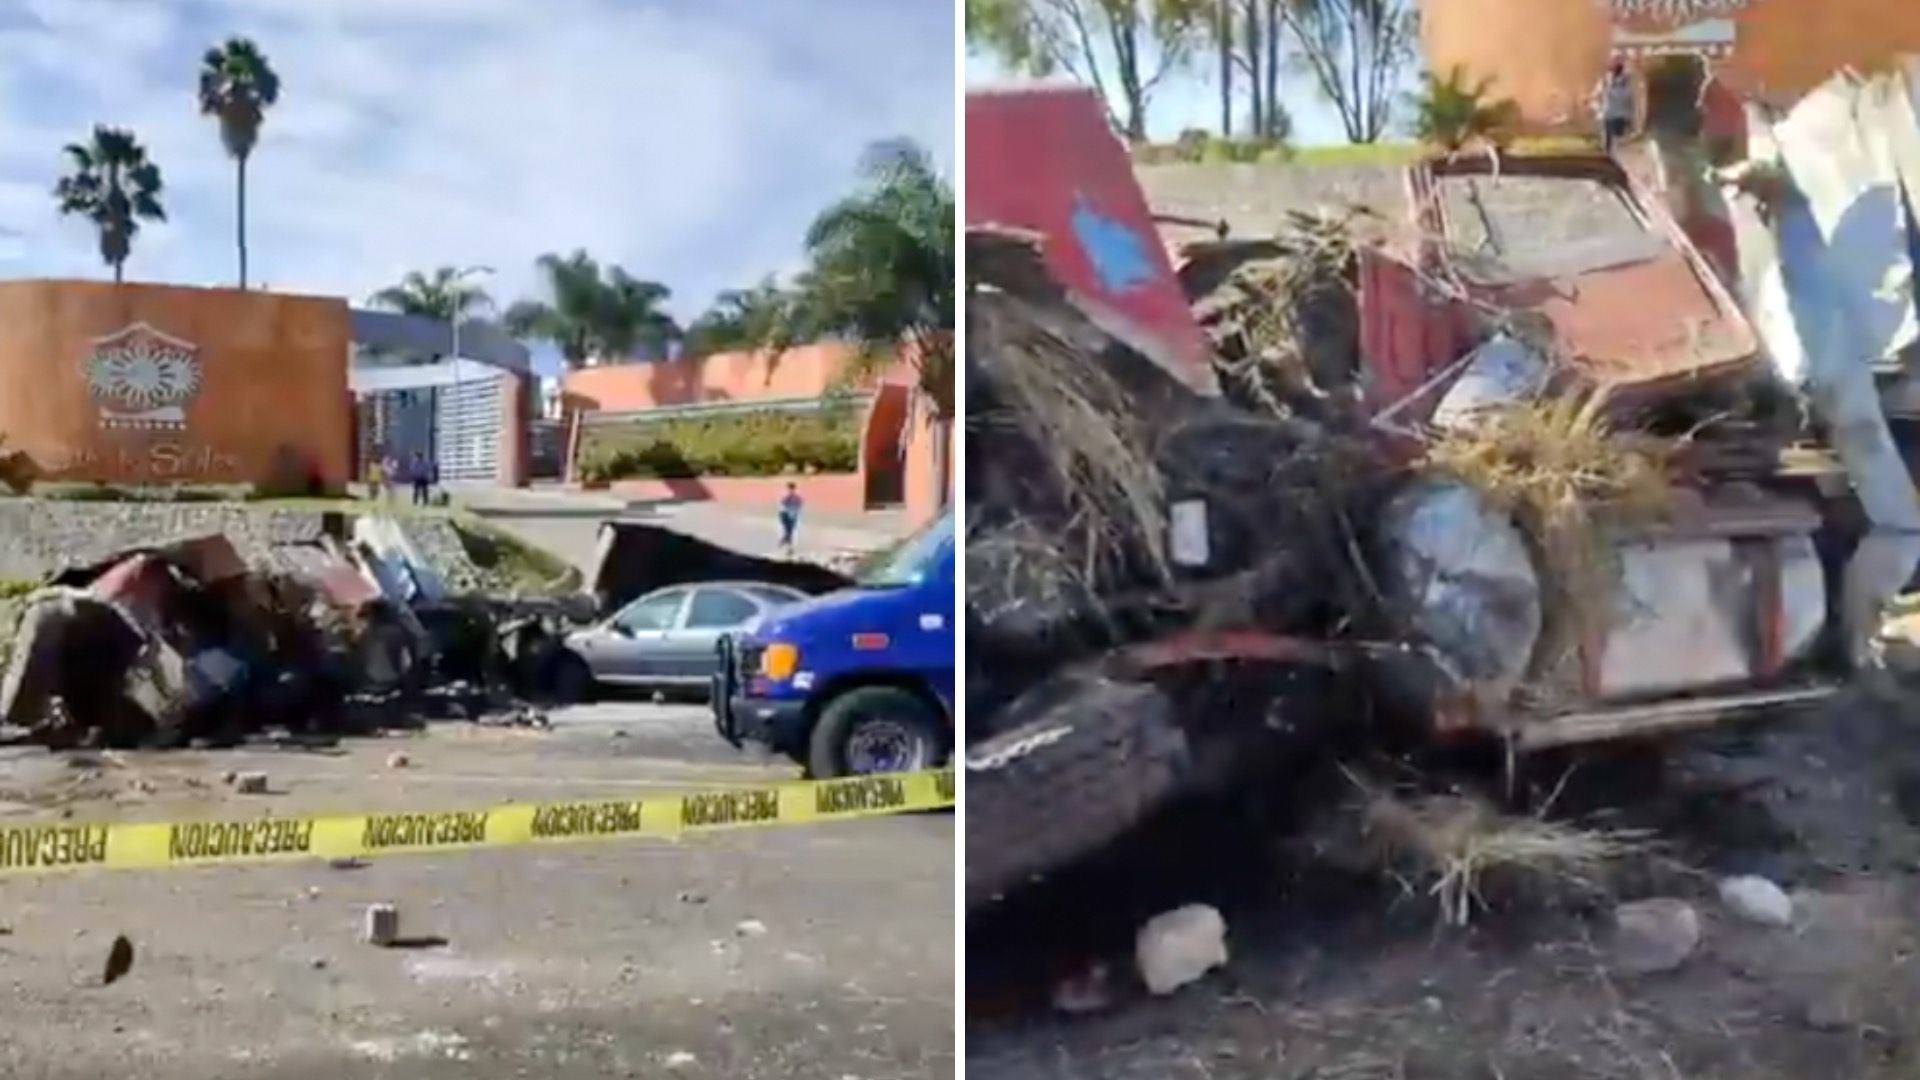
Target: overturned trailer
1389, 509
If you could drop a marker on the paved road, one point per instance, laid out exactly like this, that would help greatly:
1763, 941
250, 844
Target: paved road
568, 524
808, 952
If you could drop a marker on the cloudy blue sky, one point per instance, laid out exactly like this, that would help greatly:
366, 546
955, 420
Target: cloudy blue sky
688, 140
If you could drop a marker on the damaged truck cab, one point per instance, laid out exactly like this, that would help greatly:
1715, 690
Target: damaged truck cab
860, 680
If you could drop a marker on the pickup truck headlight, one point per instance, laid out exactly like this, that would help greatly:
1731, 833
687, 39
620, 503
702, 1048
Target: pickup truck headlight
780, 661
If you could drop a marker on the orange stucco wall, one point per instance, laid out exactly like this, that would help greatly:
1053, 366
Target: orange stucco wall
265, 385
1549, 54
803, 371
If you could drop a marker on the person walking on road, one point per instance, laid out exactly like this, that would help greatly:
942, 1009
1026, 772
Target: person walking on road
376, 476
790, 505
1616, 106
423, 479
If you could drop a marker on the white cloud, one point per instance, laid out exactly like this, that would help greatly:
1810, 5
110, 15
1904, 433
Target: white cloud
689, 142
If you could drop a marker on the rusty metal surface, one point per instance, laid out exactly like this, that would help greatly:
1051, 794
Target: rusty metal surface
1571, 247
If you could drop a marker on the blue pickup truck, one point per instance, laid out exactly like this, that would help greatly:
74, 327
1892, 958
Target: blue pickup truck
856, 681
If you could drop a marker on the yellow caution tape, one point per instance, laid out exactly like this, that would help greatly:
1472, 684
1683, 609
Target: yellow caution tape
42, 846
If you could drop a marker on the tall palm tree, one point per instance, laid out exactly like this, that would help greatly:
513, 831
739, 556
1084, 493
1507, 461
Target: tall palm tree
114, 186
238, 86
444, 295
881, 272
590, 316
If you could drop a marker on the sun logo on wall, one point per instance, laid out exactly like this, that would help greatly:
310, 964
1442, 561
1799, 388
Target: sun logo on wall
143, 378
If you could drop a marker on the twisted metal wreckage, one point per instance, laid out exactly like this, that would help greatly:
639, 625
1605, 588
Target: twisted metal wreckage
1520, 465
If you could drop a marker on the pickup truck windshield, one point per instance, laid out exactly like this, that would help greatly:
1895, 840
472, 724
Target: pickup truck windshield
909, 563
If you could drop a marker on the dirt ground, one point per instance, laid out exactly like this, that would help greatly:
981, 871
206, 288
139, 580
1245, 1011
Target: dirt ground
806, 952
1338, 976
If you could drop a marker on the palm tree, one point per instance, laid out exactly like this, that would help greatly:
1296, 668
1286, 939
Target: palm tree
630, 317
751, 318
114, 186
1452, 112
881, 272
238, 86
590, 316
443, 296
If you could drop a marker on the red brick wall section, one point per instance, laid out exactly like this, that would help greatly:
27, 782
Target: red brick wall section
515, 392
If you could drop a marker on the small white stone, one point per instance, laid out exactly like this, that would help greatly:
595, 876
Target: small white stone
251, 783
679, 1059
1757, 900
1177, 947
750, 928
398, 761
382, 924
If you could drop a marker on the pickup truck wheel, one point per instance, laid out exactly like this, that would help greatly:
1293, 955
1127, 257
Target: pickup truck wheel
874, 729
572, 680
1081, 762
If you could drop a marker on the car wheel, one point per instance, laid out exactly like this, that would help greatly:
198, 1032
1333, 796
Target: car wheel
875, 729
572, 680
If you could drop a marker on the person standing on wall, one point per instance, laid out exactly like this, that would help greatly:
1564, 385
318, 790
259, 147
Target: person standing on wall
790, 505
1616, 105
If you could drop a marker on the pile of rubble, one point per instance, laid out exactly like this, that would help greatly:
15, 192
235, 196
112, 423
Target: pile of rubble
1526, 467
189, 642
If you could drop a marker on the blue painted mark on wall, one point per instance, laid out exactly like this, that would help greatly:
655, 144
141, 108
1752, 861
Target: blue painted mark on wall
1118, 255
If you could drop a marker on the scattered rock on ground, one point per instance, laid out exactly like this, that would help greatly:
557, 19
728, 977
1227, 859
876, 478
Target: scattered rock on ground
1177, 947
382, 924
250, 783
398, 761
119, 960
750, 928
1652, 936
680, 1059
1757, 900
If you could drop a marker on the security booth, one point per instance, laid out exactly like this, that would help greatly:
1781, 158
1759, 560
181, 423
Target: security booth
468, 415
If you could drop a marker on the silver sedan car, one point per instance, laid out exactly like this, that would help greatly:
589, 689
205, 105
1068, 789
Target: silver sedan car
666, 638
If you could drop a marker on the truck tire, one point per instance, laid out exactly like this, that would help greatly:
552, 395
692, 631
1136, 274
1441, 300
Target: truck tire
1082, 762
875, 729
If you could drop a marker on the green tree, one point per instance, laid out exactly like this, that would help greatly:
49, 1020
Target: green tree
442, 295
114, 186
1451, 112
237, 86
1122, 48
880, 273
588, 315
751, 318
1356, 52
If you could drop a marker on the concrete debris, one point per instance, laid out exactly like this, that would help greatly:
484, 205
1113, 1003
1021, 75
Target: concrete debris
750, 928
250, 783
680, 1059
1757, 900
381, 924
1177, 947
119, 960
187, 645
1653, 936
398, 761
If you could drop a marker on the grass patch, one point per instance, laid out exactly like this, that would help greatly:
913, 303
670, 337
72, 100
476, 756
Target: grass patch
511, 562
1461, 847
11, 588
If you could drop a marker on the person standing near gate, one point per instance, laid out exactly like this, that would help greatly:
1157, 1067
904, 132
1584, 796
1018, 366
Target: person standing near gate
423, 478
790, 505
1616, 106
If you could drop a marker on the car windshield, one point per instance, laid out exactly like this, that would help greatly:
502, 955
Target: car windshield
908, 562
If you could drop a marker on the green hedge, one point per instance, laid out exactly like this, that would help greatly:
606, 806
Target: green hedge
764, 443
